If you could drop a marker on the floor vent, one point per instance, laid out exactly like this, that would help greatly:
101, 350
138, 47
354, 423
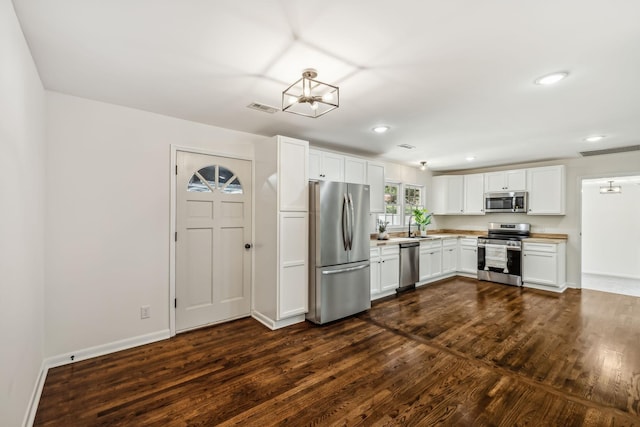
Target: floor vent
610, 151
262, 107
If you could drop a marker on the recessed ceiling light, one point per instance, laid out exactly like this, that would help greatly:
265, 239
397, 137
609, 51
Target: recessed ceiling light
550, 79
381, 129
594, 138
470, 158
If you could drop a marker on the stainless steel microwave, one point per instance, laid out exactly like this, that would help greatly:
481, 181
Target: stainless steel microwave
512, 201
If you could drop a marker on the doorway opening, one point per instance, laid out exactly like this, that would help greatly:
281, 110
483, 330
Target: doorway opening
610, 234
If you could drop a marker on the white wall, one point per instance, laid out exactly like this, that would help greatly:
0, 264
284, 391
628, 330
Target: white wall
107, 223
576, 170
21, 220
610, 228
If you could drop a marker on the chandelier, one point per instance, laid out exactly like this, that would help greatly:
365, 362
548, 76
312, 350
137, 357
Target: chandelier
611, 189
309, 97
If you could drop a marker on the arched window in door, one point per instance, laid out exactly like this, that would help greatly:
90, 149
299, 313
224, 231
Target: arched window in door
215, 178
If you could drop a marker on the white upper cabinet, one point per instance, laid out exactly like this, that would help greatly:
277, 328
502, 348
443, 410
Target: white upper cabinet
448, 194
375, 179
355, 170
513, 180
546, 187
458, 194
292, 174
315, 164
473, 194
326, 166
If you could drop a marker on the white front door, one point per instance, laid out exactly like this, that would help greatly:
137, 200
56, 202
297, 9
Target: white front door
213, 266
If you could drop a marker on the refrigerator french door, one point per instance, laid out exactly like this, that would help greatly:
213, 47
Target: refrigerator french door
339, 250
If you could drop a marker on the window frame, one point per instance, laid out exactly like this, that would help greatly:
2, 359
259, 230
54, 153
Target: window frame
401, 204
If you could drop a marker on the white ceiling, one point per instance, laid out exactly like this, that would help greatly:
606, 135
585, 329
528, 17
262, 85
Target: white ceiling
453, 78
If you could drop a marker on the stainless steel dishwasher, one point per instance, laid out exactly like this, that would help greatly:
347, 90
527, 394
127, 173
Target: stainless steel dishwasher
409, 265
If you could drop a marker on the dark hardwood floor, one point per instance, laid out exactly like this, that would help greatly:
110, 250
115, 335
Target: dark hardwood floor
460, 352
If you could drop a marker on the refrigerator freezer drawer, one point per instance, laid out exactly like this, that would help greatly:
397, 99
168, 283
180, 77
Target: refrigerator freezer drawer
339, 291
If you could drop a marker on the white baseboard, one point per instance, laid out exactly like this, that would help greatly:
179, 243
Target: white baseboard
276, 324
555, 289
102, 349
83, 354
30, 415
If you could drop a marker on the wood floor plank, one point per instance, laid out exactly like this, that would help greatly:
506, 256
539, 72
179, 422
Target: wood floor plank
460, 352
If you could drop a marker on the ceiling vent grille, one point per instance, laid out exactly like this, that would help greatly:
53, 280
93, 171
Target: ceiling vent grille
610, 151
407, 146
262, 107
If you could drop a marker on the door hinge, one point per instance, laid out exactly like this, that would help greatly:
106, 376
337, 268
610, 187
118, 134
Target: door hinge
175, 237
176, 169
175, 303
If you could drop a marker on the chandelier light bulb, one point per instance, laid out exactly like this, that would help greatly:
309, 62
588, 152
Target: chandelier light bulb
327, 97
313, 105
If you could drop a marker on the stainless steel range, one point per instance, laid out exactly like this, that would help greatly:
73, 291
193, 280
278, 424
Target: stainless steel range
500, 253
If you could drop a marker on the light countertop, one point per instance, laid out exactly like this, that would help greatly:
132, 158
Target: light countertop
398, 240
543, 240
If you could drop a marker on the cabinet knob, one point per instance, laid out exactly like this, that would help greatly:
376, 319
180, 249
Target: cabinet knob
247, 246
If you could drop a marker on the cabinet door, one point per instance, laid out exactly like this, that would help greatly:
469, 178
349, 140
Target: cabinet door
494, 181
474, 194
389, 272
468, 259
315, 164
455, 192
355, 170
293, 187
375, 179
374, 260
332, 167
293, 269
438, 191
449, 259
447, 195
425, 264
436, 262
516, 180
546, 187
539, 267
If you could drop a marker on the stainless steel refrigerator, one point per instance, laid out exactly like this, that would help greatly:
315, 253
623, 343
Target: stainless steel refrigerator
339, 273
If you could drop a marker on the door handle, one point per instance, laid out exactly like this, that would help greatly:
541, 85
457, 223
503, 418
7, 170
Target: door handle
352, 222
345, 221
247, 245
344, 270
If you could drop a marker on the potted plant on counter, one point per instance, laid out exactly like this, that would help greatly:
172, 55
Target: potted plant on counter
422, 219
383, 234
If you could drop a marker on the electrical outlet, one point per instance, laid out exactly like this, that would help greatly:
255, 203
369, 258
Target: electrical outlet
145, 312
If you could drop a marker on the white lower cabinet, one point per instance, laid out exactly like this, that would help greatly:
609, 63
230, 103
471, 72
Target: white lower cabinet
430, 259
293, 289
449, 256
468, 256
385, 270
544, 266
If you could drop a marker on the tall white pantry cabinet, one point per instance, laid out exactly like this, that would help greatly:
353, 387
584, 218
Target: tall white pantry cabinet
280, 285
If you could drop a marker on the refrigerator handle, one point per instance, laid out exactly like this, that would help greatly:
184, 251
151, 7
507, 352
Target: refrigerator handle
352, 222
345, 221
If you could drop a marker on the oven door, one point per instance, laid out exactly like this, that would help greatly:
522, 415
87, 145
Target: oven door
513, 275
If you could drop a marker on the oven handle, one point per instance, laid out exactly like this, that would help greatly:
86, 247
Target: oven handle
509, 248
